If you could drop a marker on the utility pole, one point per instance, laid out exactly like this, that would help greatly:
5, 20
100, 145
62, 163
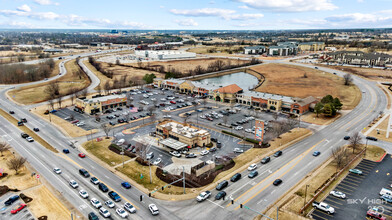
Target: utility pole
122, 154
306, 190
183, 178
149, 165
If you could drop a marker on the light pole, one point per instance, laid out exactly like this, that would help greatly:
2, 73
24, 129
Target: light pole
122, 155
306, 190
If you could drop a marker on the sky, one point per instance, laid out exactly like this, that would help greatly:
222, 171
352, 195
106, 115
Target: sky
195, 14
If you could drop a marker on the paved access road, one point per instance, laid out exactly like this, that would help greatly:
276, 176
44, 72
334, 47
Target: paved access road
257, 193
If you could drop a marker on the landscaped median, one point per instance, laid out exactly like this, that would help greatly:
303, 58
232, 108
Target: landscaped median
27, 131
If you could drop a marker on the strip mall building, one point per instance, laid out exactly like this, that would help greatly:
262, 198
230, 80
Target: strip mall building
100, 104
232, 93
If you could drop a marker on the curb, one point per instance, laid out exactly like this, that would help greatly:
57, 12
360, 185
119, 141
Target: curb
382, 158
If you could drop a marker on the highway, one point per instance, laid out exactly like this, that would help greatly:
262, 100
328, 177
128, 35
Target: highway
295, 163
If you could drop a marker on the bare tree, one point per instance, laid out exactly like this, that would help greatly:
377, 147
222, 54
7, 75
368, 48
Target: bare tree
99, 89
129, 99
225, 119
107, 87
339, 154
83, 93
355, 141
51, 103
151, 110
275, 116
3, 147
106, 129
347, 79
52, 90
59, 100
278, 129
73, 92
16, 163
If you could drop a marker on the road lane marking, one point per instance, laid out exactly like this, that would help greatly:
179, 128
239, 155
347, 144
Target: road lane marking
299, 156
215, 203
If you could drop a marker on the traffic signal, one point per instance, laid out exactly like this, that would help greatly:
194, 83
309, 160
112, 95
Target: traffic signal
241, 206
163, 187
149, 194
232, 202
141, 198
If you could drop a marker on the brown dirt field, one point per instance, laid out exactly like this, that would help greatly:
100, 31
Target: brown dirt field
224, 51
45, 203
310, 117
288, 80
22, 180
186, 65
369, 73
101, 151
67, 128
36, 93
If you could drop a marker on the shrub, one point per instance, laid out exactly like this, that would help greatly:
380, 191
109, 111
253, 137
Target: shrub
209, 145
219, 167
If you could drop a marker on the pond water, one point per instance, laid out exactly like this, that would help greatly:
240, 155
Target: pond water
244, 80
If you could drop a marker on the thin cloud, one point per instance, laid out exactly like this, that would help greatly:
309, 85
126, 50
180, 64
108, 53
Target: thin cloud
187, 22
46, 2
290, 5
24, 8
226, 14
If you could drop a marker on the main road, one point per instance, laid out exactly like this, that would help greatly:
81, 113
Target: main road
257, 194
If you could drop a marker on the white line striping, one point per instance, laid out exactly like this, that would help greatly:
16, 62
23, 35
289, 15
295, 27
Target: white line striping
216, 204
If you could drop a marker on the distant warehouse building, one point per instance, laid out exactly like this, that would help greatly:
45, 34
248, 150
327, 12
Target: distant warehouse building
254, 50
100, 104
164, 54
311, 46
177, 135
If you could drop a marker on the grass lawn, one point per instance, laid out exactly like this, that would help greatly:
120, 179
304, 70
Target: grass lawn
36, 93
310, 117
133, 170
101, 77
383, 130
100, 149
289, 80
27, 131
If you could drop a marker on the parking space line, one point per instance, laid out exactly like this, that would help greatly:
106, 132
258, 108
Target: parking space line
345, 189
357, 177
387, 209
368, 162
337, 198
348, 185
365, 168
366, 165
353, 179
323, 213
331, 200
319, 216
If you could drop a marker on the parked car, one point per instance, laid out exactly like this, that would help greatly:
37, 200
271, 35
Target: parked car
252, 167
18, 208
126, 185
97, 204
11, 200
150, 155
212, 149
129, 207
355, 171
153, 209
203, 196
175, 153
238, 150
190, 155
157, 161
253, 174
338, 194
222, 185
220, 195
323, 207
386, 198
113, 195
204, 152
375, 215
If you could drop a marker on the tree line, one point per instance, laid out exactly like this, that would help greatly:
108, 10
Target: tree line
328, 106
22, 73
98, 66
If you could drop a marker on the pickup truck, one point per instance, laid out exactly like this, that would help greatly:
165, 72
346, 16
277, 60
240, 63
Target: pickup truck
323, 207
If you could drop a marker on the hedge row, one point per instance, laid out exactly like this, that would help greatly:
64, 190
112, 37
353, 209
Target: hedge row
253, 141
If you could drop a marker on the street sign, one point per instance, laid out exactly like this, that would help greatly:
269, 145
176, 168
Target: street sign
37, 176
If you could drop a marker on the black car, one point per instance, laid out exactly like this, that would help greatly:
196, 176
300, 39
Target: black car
214, 140
265, 160
235, 177
277, 182
278, 153
371, 138
220, 195
222, 185
234, 124
84, 173
346, 137
213, 149
112, 123
113, 195
120, 120
66, 151
23, 120
11, 200
119, 108
92, 216
24, 135
103, 187
12, 112
218, 144
253, 174
36, 129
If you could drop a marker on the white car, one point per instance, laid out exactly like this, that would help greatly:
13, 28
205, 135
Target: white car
252, 167
129, 207
204, 152
109, 203
163, 99
104, 212
57, 170
239, 128
122, 213
153, 99
167, 116
73, 184
30, 139
238, 150
79, 124
97, 204
83, 194
153, 209
157, 161
248, 130
175, 153
203, 196
338, 194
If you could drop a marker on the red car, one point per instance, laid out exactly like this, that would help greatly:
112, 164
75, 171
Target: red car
375, 215
173, 102
74, 122
81, 155
19, 208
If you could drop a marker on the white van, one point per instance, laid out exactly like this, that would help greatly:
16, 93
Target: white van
385, 191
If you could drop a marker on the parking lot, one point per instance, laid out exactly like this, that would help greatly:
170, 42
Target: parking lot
362, 192
5, 211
